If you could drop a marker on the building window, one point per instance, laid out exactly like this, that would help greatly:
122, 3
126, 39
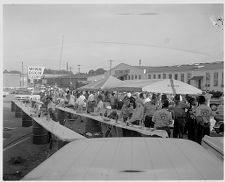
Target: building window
128, 77
188, 78
159, 76
135, 77
139, 77
132, 77
215, 79
164, 76
182, 77
170, 76
149, 76
154, 76
207, 79
176, 76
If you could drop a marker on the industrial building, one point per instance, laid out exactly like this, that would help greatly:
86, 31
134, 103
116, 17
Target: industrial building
205, 76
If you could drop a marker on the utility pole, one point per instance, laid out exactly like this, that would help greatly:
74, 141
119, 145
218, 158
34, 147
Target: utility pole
22, 75
67, 67
61, 53
79, 68
139, 62
110, 66
70, 76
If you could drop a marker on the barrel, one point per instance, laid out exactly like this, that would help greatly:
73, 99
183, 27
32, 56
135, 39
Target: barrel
12, 106
60, 116
26, 120
92, 126
40, 135
18, 112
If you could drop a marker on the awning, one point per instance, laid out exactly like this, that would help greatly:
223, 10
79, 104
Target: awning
197, 78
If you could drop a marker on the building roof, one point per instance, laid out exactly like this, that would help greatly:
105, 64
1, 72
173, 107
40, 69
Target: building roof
64, 76
121, 64
184, 67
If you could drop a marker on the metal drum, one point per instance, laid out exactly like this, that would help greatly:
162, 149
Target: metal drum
12, 106
26, 120
60, 116
40, 135
18, 112
92, 126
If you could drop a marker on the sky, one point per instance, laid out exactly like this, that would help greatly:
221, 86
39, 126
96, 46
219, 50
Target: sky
92, 34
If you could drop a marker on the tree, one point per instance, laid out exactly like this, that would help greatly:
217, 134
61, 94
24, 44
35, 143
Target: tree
100, 71
14, 71
91, 72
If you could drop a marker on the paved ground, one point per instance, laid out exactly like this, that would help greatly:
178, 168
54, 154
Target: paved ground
21, 158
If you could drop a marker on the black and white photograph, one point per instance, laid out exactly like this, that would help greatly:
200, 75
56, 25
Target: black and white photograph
112, 90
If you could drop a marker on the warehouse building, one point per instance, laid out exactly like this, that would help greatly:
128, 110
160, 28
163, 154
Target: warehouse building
205, 76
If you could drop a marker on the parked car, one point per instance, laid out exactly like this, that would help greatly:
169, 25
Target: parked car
5, 93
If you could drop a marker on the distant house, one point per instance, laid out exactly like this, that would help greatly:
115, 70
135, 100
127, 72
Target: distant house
14, 80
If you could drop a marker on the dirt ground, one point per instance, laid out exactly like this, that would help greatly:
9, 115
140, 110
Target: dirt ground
21, 158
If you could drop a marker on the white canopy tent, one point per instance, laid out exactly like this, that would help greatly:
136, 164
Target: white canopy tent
170, 86
135, 85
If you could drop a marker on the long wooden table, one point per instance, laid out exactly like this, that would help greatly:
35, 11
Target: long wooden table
63, 133
118, 125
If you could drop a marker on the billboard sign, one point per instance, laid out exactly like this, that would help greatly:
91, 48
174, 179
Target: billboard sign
35, 72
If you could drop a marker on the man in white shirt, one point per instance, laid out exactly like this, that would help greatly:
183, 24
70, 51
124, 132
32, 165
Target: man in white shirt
80, 102
82, 96
91, 97
72, 100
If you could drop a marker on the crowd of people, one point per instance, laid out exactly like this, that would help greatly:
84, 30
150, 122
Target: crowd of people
188, 115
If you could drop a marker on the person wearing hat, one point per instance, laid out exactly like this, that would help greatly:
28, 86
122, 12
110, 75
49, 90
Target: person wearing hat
162, 118
203, 114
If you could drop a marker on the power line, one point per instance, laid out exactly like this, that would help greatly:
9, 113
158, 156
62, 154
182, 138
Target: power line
79, 68
155, 46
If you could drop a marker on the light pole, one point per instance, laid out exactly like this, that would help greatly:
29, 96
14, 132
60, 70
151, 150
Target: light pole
110, 66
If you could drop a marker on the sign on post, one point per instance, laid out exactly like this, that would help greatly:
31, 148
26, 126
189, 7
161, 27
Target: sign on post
35, 72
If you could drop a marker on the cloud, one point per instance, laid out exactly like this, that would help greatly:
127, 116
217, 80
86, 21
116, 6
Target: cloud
148, 13
138, 14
